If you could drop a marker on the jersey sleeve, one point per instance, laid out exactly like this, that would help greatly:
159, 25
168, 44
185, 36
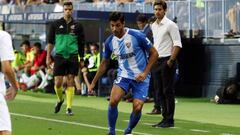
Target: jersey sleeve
51, 33
81, 40
6, 49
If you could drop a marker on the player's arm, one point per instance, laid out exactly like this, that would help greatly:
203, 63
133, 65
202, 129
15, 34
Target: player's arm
81, 41
49, 50
10, 74
153, 56
101, 70
51, 41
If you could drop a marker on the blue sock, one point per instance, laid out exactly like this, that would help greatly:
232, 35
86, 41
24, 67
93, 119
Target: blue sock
112, 118
134, 118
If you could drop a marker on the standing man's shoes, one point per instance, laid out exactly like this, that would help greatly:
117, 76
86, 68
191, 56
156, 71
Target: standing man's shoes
158, 124
155, 111
164, 124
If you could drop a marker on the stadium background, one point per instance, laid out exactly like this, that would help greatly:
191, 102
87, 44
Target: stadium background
207, 59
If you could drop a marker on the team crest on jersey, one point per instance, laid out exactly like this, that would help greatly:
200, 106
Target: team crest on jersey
73, 27
128, 44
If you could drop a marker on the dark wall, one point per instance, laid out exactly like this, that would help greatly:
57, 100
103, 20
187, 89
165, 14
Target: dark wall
191, 68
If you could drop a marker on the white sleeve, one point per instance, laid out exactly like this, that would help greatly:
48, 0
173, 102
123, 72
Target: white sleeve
6, 49
175, 35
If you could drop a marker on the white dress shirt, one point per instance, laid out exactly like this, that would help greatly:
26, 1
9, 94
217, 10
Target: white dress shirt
165, 36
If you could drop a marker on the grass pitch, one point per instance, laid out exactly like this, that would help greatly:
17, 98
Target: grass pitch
32, 114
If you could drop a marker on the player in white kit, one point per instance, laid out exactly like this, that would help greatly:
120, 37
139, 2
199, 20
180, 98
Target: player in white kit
6, 56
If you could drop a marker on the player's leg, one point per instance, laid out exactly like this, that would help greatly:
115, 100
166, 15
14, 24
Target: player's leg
72, 71
58, 90
120, 87
5, 122
140, 92
69, 94
59, 71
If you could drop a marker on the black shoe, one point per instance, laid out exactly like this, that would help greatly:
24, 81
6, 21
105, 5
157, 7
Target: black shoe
110, 134
158, 124
155, 111
69, 112
164, 124
167, 125
58, 106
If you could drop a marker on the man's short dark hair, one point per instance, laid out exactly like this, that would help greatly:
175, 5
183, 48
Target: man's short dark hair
115, 16
25, 42
95, 44
68, 3
37, 44
142, 18
161, 3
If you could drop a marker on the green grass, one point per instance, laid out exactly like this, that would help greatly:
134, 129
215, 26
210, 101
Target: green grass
193, 116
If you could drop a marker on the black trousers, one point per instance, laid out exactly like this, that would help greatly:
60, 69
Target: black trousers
90, 77
163, 77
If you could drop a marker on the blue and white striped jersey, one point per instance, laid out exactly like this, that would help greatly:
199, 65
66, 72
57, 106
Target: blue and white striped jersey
131, 50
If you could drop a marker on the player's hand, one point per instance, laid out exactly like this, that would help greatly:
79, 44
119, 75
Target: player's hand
81, 64
11, 93
48, 62
90, 89
140, 77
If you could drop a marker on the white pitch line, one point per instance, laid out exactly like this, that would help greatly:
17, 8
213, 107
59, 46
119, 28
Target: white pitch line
72, 123
199, 130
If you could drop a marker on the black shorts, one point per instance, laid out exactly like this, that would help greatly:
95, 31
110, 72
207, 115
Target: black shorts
64, 66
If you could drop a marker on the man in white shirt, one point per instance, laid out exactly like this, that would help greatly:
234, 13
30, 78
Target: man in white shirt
167, 41
6, 56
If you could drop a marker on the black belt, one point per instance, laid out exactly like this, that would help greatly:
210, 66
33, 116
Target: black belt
163, 58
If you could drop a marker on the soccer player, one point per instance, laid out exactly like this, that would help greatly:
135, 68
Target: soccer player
132, 49
6, 56
67, 36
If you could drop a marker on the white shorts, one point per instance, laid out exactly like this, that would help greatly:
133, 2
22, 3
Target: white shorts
5, 122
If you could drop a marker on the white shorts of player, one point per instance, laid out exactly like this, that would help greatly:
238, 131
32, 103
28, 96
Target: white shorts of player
5, 122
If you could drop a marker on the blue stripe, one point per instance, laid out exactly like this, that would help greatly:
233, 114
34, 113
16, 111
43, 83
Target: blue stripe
125, 63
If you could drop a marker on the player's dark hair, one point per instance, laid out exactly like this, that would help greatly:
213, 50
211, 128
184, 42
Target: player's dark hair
142, 18
37, 44
25, 42
115, 16
68, 3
